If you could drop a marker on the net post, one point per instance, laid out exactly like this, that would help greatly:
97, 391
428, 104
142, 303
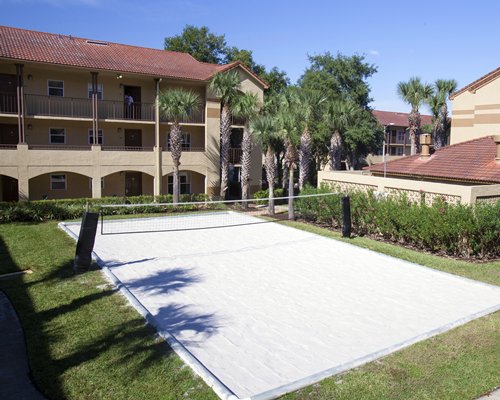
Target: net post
346, 216
102, 220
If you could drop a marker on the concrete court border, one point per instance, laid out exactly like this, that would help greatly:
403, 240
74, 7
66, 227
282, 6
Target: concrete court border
224, 392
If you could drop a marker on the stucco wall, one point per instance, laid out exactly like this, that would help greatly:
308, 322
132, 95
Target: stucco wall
476, 114
415, 190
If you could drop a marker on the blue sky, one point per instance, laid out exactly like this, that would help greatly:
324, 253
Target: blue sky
431, 39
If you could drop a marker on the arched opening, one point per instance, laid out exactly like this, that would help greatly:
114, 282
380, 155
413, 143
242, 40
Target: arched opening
9, 188
60, 185
191, 182
127, 183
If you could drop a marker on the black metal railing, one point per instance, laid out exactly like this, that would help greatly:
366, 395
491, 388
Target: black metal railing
55, 106
235, 155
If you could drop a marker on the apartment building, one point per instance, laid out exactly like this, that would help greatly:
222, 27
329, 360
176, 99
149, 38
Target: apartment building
397, 138
476, 109
80, 118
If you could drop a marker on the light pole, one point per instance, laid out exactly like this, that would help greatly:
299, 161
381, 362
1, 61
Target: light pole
383, 148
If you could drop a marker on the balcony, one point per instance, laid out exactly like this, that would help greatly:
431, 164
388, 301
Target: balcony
70, 107
235, 155
8, 103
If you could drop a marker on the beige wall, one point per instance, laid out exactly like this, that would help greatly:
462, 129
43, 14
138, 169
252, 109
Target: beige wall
476, 114
415, 190
76, 186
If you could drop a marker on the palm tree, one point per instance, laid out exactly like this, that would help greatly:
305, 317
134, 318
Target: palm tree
445, 87
307, 103
264, 130
435, 102
176, 105
290, 134
246, 107
339, 116
226, 86
414, 92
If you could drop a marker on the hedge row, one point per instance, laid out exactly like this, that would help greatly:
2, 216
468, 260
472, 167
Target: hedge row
44, 210
457, 230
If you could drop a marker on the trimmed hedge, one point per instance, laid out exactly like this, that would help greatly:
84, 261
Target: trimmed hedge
45, 210
457, 230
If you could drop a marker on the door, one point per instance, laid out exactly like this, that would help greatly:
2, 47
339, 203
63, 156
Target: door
8, 96
132, 102
8, 134
133, 138
9, 189
133, 183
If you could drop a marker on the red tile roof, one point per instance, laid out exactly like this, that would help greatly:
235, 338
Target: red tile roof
478, 83
397, 118
26, 45
473, 161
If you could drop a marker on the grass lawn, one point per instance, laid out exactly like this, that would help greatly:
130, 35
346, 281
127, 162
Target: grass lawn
85, 342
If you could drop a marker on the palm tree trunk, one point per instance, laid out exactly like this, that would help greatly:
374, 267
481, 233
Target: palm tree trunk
225, 137
305, 155
246, 146
336, 151
414, 125
443, 124
291, 212
176, 151
290, 164
271, 177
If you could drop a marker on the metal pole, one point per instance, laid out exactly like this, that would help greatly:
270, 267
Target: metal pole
346, 216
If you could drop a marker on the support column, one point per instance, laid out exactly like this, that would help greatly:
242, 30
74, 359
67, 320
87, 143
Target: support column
20, 102
22, 172
157, 149
95, 116
96, 171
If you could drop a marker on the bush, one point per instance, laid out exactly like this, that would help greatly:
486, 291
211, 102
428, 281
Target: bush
457, 230
264, 194
44, 210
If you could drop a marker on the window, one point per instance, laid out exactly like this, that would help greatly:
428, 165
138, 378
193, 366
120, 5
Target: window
400, 137
57, 136
99, 91
99, 136
399, 151
184, 183
186, 141
57, 182
55, 88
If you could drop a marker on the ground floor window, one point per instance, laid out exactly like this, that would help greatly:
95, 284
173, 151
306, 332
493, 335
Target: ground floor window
58, 182
57, 135
184, 183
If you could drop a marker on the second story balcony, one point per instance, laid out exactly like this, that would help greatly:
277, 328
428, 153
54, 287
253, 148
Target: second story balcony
81, 108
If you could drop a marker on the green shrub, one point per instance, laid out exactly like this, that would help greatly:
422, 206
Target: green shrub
457, 230
264, 194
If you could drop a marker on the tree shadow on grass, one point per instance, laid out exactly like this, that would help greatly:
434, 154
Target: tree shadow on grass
80, 317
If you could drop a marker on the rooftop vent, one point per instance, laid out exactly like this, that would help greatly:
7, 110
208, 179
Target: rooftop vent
97, 43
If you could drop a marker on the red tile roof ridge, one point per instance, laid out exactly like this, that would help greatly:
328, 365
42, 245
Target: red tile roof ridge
478, 83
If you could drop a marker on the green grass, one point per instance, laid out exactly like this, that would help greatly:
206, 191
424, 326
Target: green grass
86, 342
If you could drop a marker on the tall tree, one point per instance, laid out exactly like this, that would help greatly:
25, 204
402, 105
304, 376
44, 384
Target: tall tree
363, 136
265, 131
339, 76
277, 80
444, 88
307, 104
200, 43
225, 86
339, 116
176, 105
414, 92
246, 107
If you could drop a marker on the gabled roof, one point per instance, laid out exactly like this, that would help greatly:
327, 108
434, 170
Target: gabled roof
478, 83
49, 48
471, 161
397, 118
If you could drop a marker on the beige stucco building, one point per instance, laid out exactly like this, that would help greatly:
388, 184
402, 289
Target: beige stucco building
476, 109
79, 118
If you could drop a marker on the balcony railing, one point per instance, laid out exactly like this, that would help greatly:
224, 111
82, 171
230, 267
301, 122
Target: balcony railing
8, 103
126, 148
58, 147
8, 146
188, 149
71, 107
235, 155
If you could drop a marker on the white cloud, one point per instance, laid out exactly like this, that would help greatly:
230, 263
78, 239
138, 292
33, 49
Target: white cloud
374, 53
